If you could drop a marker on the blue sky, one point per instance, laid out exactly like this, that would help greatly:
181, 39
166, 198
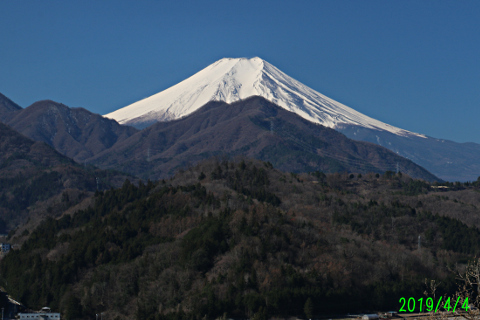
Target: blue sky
412, 64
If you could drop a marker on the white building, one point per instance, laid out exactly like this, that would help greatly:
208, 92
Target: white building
44, 314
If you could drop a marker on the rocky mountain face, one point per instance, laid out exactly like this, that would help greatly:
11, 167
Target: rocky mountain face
253, 128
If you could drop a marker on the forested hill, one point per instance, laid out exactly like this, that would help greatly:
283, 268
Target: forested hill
37, 181
246, 239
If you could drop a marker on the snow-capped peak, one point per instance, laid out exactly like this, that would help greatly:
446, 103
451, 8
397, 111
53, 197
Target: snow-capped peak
233, 79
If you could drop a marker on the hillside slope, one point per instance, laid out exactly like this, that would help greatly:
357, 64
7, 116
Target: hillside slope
253, 128
75, 132
37, 181
449, 160
246, 239
7, 108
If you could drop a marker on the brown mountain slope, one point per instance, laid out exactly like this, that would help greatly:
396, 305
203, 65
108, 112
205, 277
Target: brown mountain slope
253, 128
74, 132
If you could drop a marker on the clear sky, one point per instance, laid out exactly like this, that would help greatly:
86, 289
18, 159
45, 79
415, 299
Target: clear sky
412, 64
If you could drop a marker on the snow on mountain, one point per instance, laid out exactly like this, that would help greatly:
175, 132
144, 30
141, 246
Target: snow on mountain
231, 80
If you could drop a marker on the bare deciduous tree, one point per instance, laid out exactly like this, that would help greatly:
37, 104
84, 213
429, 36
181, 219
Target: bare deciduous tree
466, 301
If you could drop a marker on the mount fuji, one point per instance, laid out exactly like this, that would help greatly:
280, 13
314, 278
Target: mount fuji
233, 79
230, 80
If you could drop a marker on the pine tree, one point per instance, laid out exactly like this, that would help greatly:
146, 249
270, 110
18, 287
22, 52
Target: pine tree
308, 309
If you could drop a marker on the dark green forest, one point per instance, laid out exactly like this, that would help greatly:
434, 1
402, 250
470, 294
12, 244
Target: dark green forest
241, 238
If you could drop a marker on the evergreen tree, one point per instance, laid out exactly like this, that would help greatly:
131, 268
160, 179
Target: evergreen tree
308, 308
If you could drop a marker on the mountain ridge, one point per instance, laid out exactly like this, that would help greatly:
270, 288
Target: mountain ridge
254, 127
74, 132
87, 137
7, 108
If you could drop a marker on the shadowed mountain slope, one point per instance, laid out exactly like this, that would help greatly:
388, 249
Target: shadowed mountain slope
253, 128
7, 108
449, 160
74, 132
